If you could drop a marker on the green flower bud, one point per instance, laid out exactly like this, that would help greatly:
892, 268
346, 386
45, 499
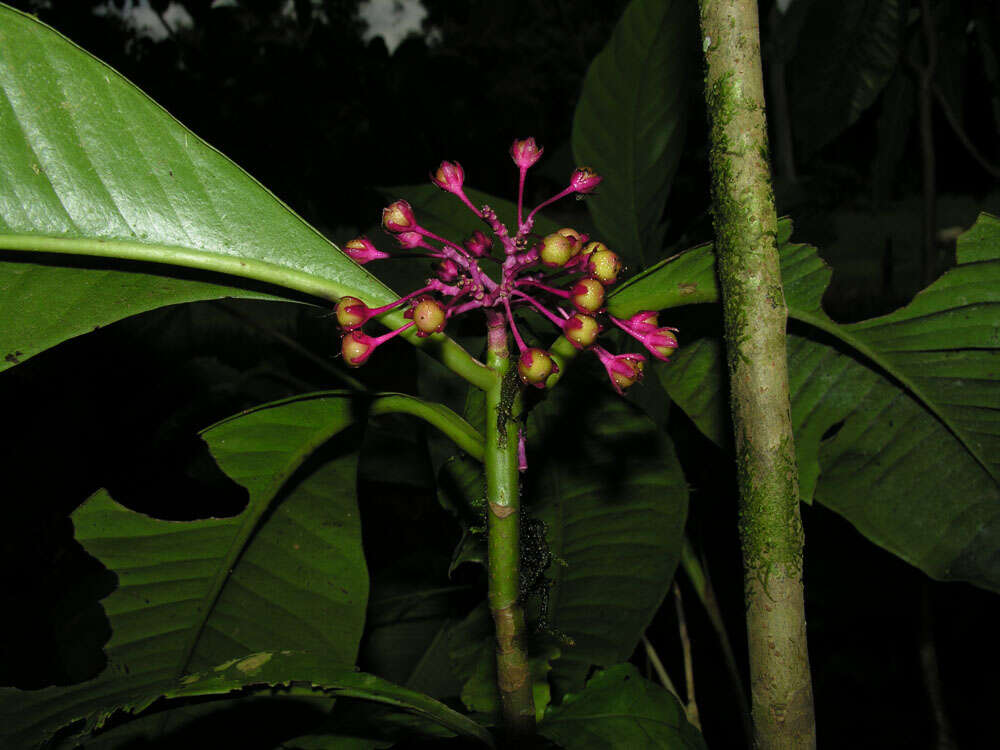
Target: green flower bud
556, 249
587, 295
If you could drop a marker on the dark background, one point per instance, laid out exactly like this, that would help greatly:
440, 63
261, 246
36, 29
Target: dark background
324, 119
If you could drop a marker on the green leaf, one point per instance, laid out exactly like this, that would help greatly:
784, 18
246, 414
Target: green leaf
610, 490
152, 215
846, 53
287, 573
916, 462
348, 684
296, 674
472, 648
630, 122
620, 709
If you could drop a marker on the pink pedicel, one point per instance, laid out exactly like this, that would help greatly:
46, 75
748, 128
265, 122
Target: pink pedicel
561, 276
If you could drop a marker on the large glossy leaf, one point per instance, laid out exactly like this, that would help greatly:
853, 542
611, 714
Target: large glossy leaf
90, 166
287, 573
630, 121
845, 55
621, 709
914, 394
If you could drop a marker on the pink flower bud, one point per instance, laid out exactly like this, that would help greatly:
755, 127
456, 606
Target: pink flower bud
624, 370
660, 342
429, 316
449, 176
525, 153
584, 180
357, 347
535, 365
363, 251
446, 270
587, 295
410, 239
478, 244
351, 313
581, 330
398, 217
647, 320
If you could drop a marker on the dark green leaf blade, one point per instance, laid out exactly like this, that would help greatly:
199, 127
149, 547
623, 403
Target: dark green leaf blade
915, 395
89, 161
611, 492
286, 573
620, 709
630, 122
845, 55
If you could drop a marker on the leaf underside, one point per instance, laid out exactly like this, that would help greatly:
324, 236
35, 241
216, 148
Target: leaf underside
287, 573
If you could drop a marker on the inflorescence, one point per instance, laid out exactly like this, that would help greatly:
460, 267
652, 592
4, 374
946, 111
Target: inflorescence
563, 276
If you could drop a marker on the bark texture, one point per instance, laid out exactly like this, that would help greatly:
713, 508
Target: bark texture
755, 317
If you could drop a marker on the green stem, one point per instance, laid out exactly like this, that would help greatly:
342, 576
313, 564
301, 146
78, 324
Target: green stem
754, 318
698, 577
463, 434
451, 355
503, 406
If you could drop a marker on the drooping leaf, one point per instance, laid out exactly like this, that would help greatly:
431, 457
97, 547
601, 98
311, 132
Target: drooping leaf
287, 573
92, 167
620, 709
630, 122
298, 674
915, 396
287, 668
845, 54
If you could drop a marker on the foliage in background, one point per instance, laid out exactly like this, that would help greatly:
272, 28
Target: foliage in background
870, 399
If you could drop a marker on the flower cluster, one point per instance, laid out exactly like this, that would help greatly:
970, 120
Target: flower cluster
563, 275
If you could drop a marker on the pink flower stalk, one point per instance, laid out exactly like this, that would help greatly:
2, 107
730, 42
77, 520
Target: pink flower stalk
583, 181
563, 270
362, 251
524, 153
522, 451
357, 346
623, 369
